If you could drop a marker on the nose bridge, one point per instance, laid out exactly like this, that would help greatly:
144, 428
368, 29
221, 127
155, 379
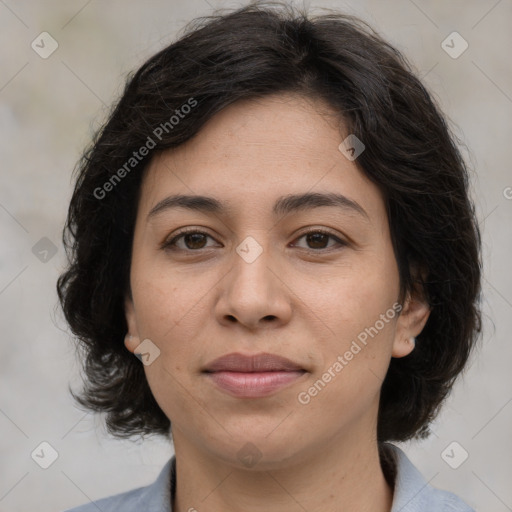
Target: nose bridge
252, 260
253, 291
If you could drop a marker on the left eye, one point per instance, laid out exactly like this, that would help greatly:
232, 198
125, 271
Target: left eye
318, 239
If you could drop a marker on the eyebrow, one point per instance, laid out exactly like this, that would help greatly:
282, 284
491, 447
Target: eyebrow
284, 205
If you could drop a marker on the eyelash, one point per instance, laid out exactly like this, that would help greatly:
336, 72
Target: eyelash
170, 245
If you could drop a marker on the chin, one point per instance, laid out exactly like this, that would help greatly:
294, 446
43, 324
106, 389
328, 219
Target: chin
257, 449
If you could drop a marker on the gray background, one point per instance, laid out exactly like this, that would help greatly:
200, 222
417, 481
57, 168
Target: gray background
48, 111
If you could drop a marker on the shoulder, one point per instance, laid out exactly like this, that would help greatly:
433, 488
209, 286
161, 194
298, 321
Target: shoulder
412, 493
152, 498
123, 502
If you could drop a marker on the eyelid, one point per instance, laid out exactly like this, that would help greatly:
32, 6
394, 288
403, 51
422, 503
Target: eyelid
184, 231
325, 231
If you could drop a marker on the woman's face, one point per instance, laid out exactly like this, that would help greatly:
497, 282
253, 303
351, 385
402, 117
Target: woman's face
254, 282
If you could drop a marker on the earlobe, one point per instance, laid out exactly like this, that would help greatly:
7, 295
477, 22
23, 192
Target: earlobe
404, 347
131, 340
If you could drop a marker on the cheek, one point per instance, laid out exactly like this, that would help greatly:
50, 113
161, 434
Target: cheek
167, 301
354, 313
354, 361
167, 314
161, 309
352, 297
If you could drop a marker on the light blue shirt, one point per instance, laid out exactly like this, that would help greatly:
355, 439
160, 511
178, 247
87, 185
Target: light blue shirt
411, 492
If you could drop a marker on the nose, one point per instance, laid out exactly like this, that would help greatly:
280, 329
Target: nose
254, 293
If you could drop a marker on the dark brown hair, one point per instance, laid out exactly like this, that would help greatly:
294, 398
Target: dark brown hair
258, 50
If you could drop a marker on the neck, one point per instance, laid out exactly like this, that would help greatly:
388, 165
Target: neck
340, 477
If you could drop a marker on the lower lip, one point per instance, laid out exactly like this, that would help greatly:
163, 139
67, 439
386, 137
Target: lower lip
254, 385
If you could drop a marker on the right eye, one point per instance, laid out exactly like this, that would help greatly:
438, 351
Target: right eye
193, 240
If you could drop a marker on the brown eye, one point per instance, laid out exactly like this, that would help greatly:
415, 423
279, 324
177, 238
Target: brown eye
318, 239
192, 241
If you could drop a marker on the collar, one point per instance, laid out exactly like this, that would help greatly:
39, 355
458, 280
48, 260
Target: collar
411, 492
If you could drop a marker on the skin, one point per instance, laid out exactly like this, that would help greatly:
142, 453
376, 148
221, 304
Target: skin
205, 301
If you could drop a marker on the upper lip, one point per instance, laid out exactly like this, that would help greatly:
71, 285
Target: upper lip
236, 362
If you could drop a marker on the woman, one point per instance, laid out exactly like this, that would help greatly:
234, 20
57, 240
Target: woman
275, 222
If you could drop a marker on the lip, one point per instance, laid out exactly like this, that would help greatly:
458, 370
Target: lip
264, 362
252, 376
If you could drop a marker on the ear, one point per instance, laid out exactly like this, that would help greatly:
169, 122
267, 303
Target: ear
410, 323
132, 339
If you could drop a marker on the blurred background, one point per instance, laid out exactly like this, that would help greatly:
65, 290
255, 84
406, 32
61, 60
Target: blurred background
61, 66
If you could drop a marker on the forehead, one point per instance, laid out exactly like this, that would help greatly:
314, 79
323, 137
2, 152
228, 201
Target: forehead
255, 151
